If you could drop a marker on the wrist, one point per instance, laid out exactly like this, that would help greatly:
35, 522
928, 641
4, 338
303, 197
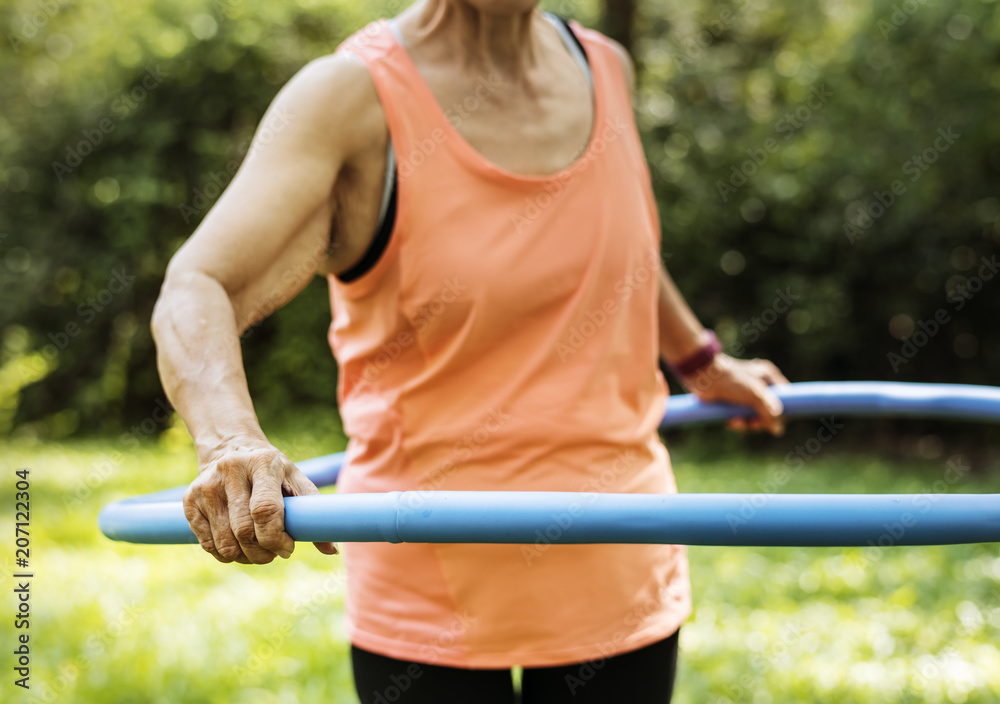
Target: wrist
215, 446
699, 360
702, 382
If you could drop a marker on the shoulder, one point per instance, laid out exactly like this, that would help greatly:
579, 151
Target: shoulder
627, 65
610, 45
332, 100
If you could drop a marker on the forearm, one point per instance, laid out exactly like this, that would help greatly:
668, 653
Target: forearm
681, 335
201, 363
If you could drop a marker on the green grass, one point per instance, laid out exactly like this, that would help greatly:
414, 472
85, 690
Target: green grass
113, 622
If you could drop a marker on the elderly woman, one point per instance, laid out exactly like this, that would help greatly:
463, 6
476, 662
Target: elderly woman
469, 178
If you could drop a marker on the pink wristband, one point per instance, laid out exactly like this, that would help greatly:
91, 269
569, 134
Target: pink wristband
700, 359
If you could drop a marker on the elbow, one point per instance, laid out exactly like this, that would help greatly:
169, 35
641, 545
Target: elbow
158, 322
188, 294
167, 300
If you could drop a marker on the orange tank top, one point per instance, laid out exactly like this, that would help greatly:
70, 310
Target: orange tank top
506, 340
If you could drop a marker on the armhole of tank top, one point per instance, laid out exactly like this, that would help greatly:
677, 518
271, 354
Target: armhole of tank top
387, 211
386, 223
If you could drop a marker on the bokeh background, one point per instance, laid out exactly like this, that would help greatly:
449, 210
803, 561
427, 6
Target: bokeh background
845, 154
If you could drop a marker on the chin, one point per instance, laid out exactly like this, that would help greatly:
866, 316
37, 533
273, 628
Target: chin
500, 7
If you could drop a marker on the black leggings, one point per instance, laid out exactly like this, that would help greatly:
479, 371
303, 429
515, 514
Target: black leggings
644, 676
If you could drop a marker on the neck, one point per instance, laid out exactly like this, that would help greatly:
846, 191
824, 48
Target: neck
504, 44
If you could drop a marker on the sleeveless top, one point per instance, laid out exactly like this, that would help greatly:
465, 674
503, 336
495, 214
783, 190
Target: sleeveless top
387, 210
506, 339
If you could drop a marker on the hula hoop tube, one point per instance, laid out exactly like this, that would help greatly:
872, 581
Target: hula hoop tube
793, 520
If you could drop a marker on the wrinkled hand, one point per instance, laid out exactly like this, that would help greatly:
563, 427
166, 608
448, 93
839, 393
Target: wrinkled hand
744, 382
235, 506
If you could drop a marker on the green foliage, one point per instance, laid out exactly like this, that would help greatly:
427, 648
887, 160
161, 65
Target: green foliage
115, 623
123, 121
848, 98
119, 125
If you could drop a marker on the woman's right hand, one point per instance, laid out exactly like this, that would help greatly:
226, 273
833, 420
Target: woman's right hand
236, 504
259, 245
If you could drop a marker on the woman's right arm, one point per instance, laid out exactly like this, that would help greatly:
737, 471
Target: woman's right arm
260, 245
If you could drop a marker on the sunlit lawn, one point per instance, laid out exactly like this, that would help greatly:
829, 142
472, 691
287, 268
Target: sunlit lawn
113, 622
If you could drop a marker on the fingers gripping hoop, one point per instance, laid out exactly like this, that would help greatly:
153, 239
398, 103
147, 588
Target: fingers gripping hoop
807, 520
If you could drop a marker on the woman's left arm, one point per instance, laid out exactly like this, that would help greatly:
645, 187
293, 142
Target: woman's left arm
684, 342
741, 381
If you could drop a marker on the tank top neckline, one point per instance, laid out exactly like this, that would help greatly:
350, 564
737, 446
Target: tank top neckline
477, 161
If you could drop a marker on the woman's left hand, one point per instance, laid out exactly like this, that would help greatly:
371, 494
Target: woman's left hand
743, 382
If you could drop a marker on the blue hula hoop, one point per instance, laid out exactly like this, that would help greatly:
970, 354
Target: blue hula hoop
800, 520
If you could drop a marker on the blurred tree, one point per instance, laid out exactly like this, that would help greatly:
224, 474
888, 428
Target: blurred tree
618, 21
837, 154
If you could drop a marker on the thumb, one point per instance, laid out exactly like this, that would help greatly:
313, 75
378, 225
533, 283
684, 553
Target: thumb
768, 408
298, 484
